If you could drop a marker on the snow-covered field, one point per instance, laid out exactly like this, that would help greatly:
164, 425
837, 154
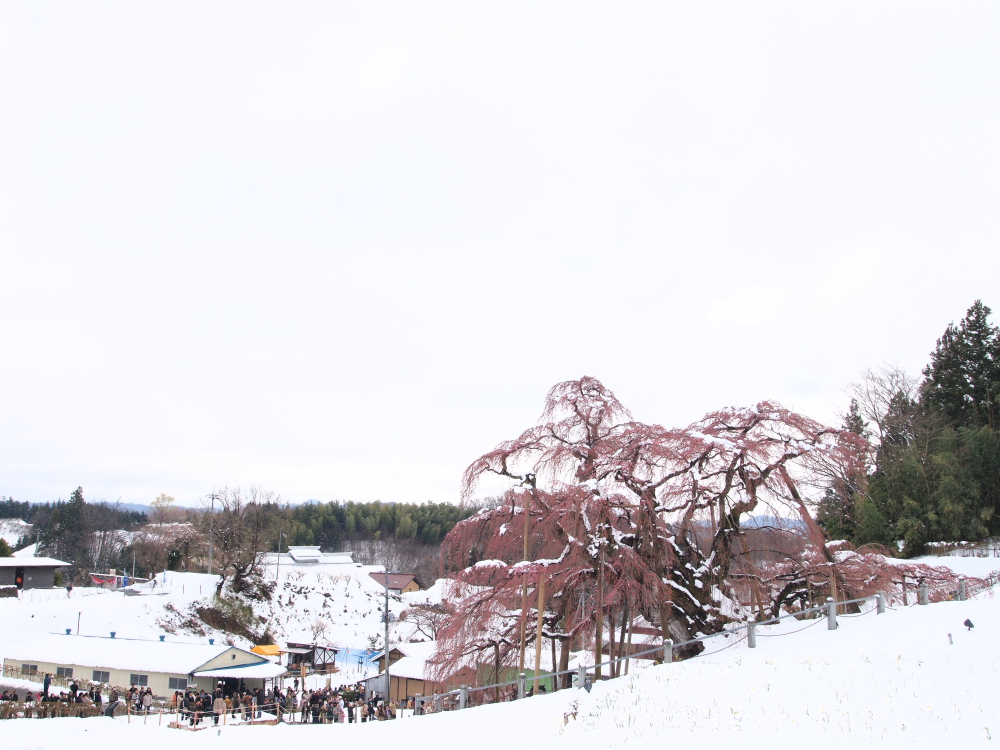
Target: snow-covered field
891, 680
341, 607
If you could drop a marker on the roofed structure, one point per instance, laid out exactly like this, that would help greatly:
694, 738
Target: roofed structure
410, 673
307, 556
399, 583
29, 572
163, 665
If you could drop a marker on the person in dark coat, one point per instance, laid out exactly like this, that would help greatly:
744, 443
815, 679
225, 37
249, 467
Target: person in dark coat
314, 703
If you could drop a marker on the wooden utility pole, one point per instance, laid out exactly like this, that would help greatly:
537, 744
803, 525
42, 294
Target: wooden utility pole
538, 635
628, 653
211, 529
599, 606
277, 567
524, 587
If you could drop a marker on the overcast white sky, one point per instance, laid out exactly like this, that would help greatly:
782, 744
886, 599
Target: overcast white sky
342, 249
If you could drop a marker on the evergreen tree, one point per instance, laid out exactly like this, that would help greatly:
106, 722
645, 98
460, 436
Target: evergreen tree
963, 377
979, 452
872, 526
925, 490
5, 550
836, 513
854, 421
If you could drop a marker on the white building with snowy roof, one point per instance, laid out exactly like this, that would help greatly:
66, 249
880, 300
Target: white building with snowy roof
306, 556
164, 666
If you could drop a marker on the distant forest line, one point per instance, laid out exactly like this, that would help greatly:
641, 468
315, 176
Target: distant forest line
329, 525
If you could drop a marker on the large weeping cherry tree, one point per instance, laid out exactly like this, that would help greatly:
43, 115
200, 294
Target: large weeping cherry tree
609, 519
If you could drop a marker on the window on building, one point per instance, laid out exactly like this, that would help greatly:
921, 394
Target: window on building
64, 671
138, 679
178, 683
100, 676
31, 668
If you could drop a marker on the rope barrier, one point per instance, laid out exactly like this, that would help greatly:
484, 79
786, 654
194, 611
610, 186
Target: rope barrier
813, 624
720, 650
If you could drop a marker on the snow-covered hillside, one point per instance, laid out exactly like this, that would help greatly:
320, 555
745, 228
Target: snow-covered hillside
12, 529
913, 676
341, 606
891, 680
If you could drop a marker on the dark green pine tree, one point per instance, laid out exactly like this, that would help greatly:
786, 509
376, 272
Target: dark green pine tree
837, 512
854, 422
963, 377
5, 550
64, 535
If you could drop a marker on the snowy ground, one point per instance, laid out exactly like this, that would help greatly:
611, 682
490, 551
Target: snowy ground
340, 607
890, 680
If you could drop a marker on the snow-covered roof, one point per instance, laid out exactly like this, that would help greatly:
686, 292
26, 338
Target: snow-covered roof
421, 649
31, 562
424, 650
411, 667
413, 664
28, 551
170, 657
308, 556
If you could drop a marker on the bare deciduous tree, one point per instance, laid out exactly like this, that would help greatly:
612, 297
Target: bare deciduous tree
428, 619
878, 393
162, 506
241, 532
398, 556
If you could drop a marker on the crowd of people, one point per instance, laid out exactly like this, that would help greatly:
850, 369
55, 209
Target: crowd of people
197, 706
345, 704
74, 694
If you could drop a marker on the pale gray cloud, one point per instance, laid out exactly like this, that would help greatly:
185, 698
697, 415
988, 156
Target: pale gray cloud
343, 249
